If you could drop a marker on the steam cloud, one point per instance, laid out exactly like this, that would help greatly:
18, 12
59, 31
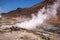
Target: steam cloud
42, 16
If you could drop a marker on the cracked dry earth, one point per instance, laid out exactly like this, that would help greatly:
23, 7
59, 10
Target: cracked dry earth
45, 32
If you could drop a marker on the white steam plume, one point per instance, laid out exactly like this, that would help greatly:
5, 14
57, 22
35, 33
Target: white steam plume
52, 10
35, 21
42, 16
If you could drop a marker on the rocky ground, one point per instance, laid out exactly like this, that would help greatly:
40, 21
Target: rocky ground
46, 31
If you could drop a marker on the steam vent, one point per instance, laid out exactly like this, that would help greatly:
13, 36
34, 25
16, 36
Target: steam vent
39, 22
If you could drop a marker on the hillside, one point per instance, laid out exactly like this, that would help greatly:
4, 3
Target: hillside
26, 11
49, 30
32, 10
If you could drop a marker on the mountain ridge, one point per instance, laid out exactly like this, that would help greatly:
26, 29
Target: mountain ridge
32, 10
24, 11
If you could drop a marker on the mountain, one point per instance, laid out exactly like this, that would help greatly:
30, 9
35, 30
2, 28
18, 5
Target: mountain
45, 31
26, 11
32, 10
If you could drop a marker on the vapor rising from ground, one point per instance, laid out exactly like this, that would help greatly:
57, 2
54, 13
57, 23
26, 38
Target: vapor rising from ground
35, 28
42, 16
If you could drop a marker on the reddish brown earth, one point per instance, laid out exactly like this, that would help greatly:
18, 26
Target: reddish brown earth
34, 9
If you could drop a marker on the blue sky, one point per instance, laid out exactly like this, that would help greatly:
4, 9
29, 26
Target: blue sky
9, 5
